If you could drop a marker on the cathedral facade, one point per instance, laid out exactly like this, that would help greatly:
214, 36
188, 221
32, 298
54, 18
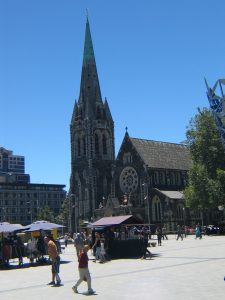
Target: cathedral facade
146, 178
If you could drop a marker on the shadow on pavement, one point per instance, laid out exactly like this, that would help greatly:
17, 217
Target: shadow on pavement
28, 265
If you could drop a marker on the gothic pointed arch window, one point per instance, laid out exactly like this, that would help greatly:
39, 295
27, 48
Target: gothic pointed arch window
173, 181
105, 186
96, 144
84, 145
156, 177
104, 144
98, 113
162, 177
156, 209
78, 147
180, 212
103, 114
81, 112
177, 177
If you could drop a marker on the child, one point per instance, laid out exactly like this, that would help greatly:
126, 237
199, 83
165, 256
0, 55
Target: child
83, 271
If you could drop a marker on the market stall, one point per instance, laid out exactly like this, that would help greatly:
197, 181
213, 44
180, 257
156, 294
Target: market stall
36, 247
121, 237
11, 244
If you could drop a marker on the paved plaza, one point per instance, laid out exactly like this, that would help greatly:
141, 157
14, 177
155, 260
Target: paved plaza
179, 270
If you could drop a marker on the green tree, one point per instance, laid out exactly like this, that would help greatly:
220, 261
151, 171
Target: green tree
63, 217
219, 187
208, 157
205, 142
46, 214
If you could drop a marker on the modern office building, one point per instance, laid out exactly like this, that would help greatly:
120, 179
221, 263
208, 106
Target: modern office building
10, 163
21, 200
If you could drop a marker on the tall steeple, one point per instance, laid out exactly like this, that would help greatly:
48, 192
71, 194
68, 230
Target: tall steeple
92, 139
90, 93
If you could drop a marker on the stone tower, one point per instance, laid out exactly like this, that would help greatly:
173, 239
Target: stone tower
92, 141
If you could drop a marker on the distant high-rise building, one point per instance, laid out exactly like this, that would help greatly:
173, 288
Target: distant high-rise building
10, 163
20, 200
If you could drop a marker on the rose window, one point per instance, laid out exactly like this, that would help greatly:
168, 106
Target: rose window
128, 180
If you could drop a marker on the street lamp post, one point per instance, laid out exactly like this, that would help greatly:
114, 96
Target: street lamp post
4, 213
69, 214
221, 208
147, 200
75, 211
202, 217
30, 205
184, 216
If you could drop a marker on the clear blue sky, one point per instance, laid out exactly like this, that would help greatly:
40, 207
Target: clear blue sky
151, 56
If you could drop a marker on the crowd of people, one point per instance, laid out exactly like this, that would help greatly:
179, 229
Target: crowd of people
12, 247
98, 242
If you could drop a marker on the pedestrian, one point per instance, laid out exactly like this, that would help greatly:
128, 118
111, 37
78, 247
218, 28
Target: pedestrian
198, 233
97, 247
19, 245
66, 239
159, 235
145, 245
55, 258
179, 233
78, 243
84, 274
185, 231
164, 234
102, 250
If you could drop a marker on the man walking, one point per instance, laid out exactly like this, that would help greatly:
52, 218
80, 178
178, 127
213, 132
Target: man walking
145, 245
179, 232
84, 273
78, 243
55, 258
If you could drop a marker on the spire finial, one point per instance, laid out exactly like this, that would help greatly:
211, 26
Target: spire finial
87, 13
126, 129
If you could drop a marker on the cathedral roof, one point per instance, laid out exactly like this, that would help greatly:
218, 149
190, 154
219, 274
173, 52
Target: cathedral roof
172, 194
163, 155
117, 220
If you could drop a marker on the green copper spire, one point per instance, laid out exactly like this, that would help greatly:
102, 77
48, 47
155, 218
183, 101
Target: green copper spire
90, 93
88, 46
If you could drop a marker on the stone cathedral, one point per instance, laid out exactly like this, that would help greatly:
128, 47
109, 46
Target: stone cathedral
147, 177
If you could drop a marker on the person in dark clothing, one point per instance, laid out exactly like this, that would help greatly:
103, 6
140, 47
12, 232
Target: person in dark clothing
159, 235
179, 232
97, 246
145, 245
164, 235
20, 249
